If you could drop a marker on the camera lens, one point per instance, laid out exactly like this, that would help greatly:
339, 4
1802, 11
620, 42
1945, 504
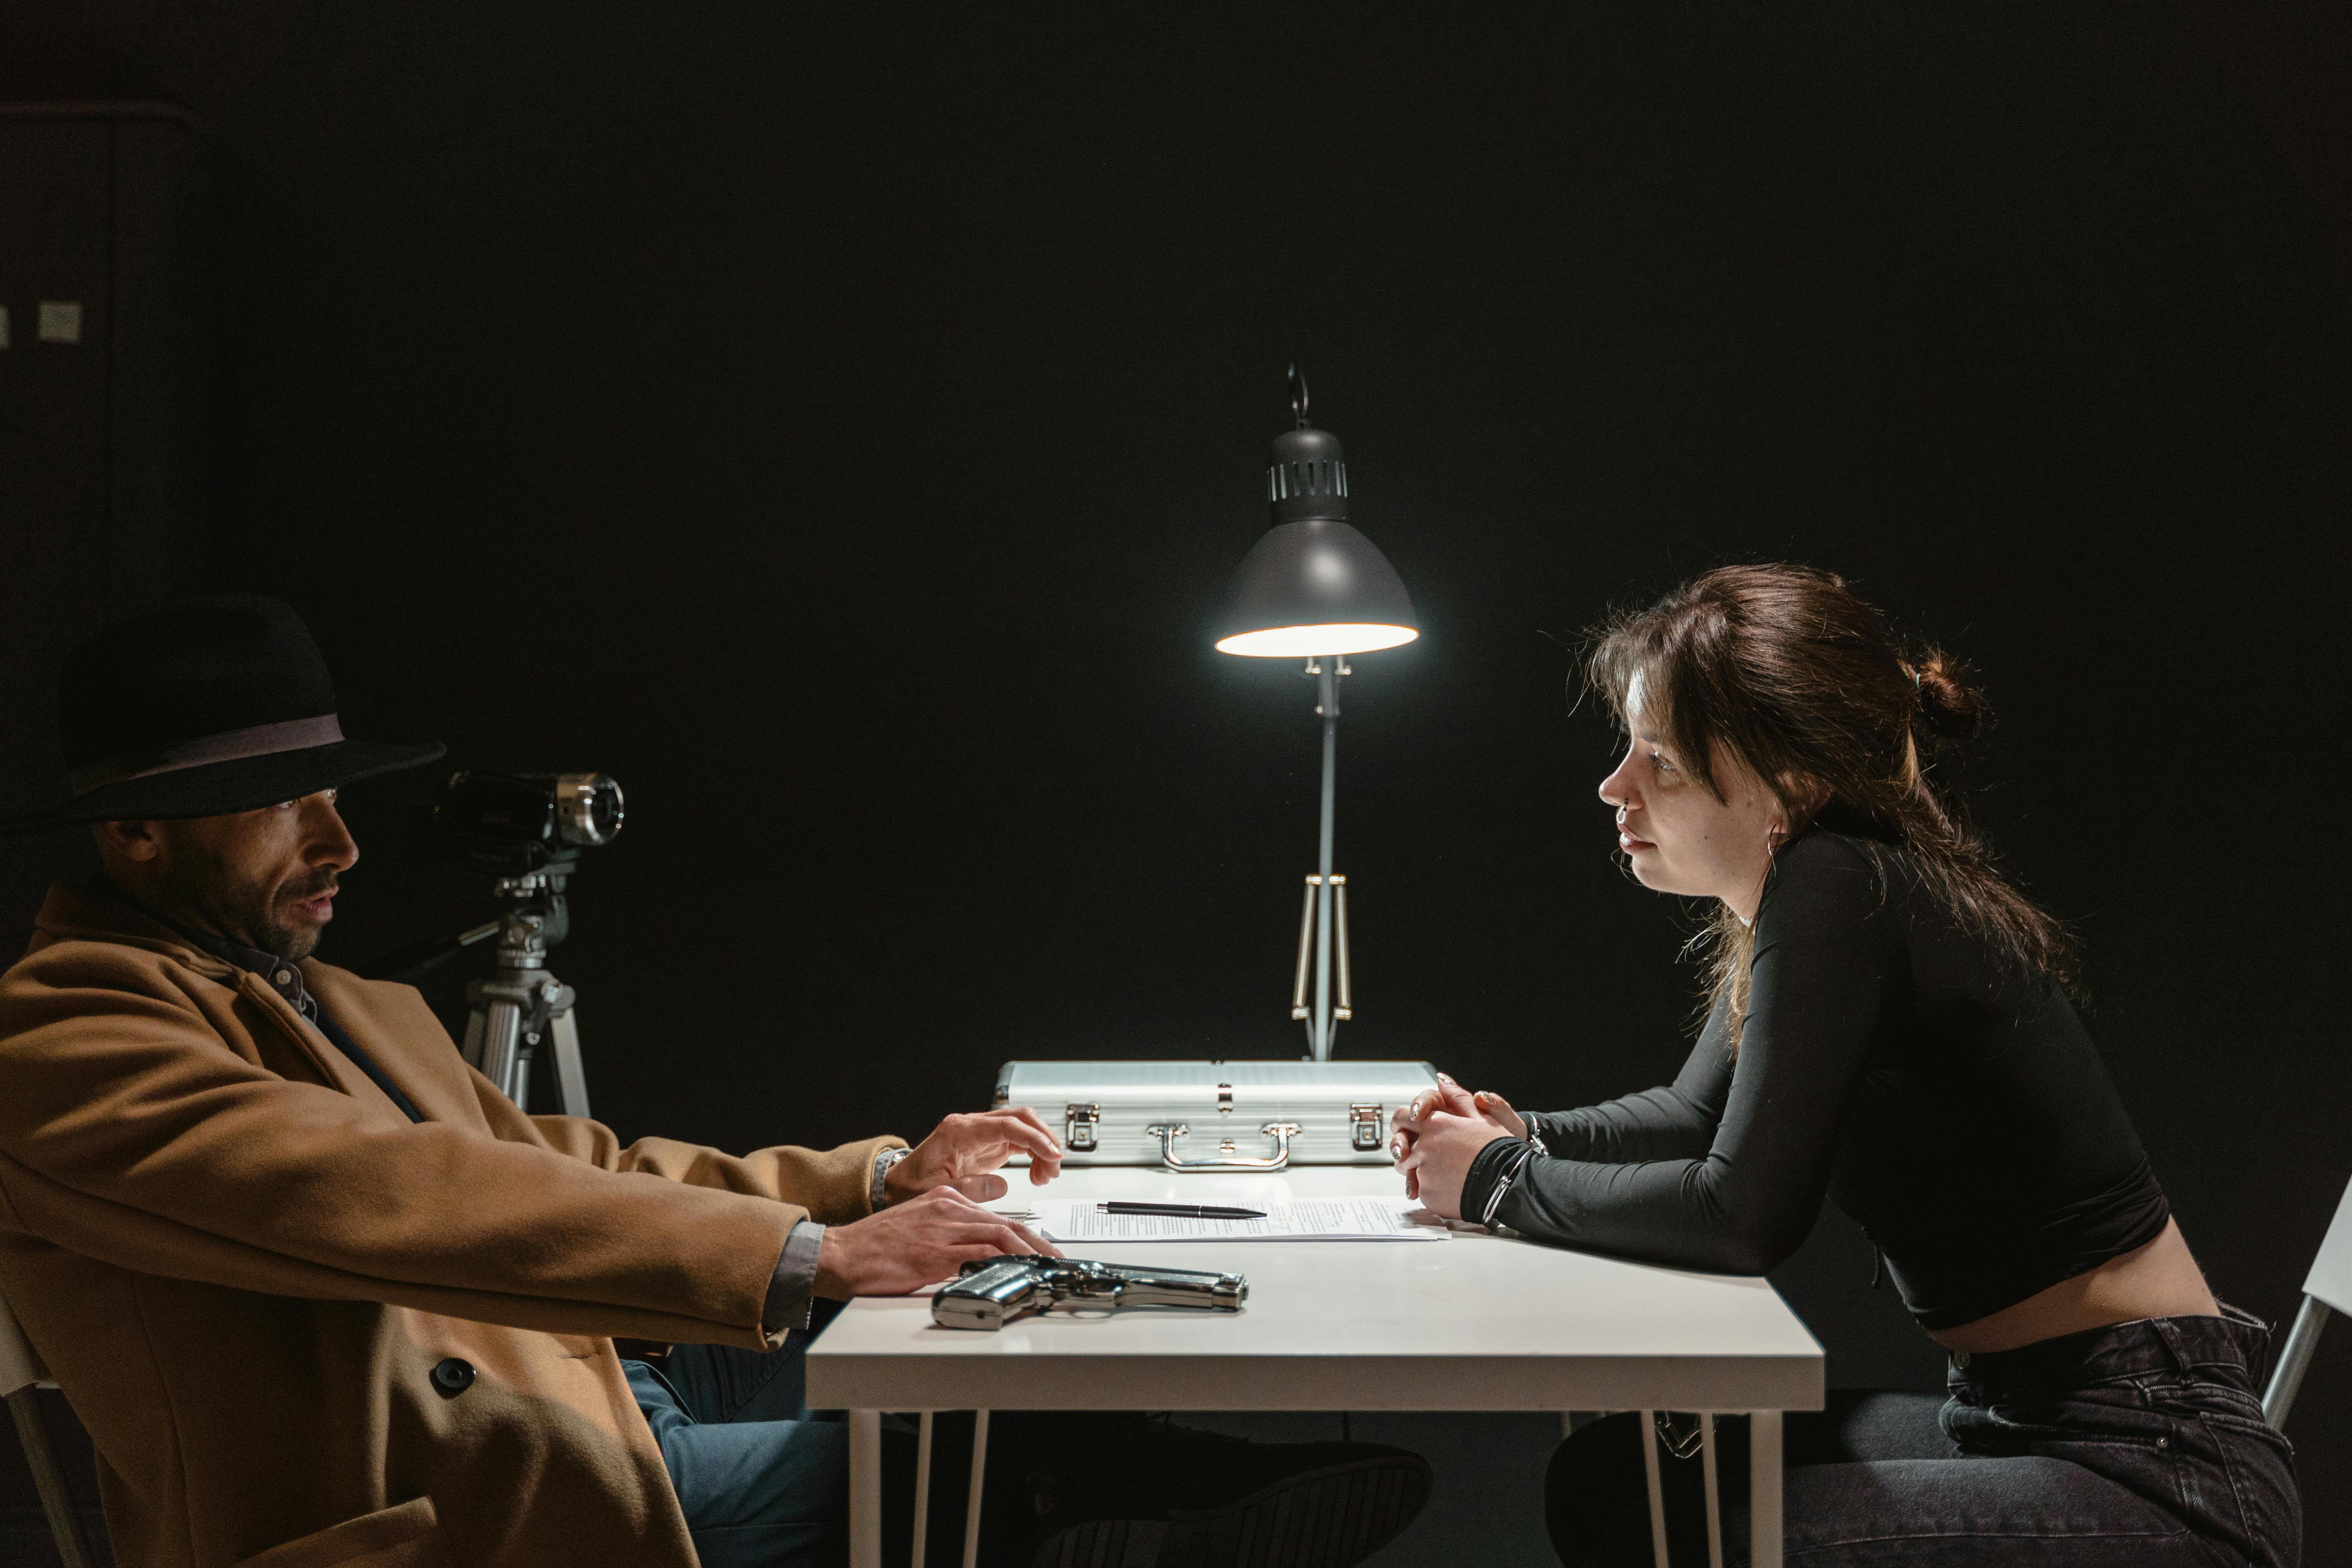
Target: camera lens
588, 808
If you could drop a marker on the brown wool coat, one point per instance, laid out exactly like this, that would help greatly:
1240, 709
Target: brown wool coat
242, 1263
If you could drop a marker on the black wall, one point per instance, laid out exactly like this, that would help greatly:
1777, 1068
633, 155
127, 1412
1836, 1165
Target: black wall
104, 206
843, 439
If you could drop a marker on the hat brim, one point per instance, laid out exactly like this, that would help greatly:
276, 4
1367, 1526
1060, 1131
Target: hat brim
221, 789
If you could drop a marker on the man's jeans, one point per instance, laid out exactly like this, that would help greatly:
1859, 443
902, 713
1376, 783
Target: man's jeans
762, 1483
765, 1484
2140, 1446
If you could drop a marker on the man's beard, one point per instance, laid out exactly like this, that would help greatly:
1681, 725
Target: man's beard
208, 885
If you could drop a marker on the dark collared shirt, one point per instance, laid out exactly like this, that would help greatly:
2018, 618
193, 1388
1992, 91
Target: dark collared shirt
284, 976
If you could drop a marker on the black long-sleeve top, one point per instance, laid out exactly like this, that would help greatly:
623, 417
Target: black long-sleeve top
1952, 1105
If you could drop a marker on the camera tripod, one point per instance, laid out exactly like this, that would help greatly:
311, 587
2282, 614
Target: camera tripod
521, 1004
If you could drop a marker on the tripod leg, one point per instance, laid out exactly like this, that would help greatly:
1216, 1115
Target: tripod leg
570, 1079
473, 1046
501, 1034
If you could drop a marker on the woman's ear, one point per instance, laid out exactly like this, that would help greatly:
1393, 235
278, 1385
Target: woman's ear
1801, 796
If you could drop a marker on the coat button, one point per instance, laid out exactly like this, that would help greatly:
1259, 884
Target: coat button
453, 1377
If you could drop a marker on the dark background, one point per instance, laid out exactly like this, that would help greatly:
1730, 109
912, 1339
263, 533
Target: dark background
843, 436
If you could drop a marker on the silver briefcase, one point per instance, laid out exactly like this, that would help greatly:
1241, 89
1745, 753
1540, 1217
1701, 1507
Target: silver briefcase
1217, 1116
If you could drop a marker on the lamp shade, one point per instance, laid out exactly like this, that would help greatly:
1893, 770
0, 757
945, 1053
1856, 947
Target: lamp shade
1312, 584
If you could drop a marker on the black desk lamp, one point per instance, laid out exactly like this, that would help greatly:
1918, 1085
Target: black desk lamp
1315, 588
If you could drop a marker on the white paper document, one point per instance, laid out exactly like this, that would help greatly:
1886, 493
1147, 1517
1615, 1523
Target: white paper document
1313, 1220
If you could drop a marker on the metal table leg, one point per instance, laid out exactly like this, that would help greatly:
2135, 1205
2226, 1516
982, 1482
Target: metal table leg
1713, 1491
1650, 1469
923, 1488
865, 1488
1657, 1492
1764, 1489
979, 1474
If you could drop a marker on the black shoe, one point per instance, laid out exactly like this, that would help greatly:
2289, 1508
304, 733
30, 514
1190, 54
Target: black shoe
1123, 1493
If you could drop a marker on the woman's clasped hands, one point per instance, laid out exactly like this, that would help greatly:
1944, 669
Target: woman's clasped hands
1435, 1137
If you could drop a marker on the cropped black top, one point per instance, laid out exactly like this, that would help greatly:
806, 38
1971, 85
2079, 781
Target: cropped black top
1953, 1106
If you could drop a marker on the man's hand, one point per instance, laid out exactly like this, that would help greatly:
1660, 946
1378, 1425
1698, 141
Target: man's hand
921, 1240
963, 1151
1439, 1134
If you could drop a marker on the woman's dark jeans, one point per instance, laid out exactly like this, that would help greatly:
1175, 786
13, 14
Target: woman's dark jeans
2140, 1445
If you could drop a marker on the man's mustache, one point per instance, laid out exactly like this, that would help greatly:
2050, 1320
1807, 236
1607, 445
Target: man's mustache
309, 888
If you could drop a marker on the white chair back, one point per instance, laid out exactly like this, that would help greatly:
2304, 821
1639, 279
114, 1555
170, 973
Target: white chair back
19, 1367
2331, 1272
2328, 1286
20, 1373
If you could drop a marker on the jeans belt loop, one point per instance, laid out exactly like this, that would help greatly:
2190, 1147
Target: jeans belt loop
2167, 1333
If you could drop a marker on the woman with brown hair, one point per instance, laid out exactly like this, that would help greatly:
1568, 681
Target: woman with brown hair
1891, 1026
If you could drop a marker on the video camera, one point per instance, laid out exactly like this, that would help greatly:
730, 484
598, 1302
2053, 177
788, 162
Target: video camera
524, 831
511, 824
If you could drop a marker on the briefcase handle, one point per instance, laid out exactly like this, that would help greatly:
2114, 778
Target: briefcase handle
1168, 1131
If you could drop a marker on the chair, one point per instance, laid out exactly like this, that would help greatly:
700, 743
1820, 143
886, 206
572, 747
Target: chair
20, 1374
2328, 1284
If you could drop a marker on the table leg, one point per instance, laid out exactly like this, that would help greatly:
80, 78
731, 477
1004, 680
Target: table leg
1764, 1489
979, 1474
923, 1488
1657, 1492
865, 1488
1714, 1492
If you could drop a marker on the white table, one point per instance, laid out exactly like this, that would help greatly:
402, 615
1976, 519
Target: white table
1474, 1322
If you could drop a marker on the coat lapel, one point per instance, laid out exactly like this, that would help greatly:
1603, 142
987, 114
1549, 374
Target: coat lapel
373, 1014
338, 1069
399, 1033
90, 914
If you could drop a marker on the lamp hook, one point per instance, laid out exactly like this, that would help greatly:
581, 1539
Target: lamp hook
1298, 396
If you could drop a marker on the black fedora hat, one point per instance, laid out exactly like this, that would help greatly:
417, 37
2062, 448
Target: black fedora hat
202, 707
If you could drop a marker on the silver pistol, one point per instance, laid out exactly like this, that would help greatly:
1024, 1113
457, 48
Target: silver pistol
992, 1294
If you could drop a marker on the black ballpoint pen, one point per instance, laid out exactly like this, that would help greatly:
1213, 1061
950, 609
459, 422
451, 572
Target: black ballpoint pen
1181, 1211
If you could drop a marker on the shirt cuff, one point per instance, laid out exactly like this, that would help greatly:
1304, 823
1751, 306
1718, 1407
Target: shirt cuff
792, 1286
1492, 1169
883, 1161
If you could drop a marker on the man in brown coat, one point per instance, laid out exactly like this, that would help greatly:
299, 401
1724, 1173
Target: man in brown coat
321, 1294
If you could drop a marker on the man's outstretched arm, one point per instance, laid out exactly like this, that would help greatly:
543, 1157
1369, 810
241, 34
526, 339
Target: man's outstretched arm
129, 1132
960, 1160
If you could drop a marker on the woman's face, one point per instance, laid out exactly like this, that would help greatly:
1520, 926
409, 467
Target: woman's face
1679, 836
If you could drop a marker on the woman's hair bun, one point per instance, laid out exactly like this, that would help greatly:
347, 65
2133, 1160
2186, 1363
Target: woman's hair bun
1950, 706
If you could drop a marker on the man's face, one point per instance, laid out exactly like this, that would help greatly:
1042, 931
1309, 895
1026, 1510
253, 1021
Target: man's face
266, 879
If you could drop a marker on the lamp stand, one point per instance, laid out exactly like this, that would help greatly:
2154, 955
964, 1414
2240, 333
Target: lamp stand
1324, 888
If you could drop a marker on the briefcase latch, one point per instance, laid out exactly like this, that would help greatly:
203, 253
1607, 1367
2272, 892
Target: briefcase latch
1364, 1126
1078, 1124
